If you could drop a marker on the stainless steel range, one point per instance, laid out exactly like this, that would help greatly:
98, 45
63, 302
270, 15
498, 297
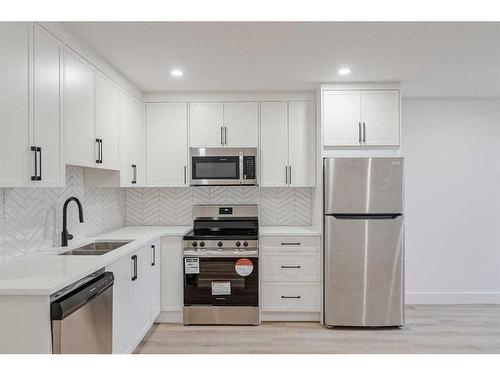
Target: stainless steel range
221, 266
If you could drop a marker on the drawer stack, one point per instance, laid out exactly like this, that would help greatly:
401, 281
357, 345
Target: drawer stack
290, 278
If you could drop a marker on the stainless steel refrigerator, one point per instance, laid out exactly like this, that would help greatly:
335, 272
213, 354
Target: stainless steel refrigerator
363, 242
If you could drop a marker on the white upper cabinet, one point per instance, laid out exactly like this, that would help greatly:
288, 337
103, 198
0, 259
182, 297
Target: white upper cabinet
221, 124
15, 156
92, 115
132, 141
48, 102
380, 117
287, 144
31, 122
342, 118
301, 154
354, 118
107, 123
241, 124
166, 144
206, 120
81, 146
273, 144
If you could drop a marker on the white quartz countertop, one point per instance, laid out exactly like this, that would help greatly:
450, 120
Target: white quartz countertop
44, 272
289, 231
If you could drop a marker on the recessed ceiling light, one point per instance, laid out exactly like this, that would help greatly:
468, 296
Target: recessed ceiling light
176, 72
344, 71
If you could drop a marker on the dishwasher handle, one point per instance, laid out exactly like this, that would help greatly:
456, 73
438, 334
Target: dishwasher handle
65, 306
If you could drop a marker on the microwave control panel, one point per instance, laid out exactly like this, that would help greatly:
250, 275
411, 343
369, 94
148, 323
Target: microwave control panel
249, 167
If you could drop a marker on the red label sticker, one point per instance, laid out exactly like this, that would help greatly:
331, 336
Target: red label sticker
243, 267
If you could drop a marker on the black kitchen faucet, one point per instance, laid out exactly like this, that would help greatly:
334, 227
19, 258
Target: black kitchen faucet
65, 236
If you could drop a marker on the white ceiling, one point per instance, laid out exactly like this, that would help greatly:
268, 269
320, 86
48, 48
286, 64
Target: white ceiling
431, 59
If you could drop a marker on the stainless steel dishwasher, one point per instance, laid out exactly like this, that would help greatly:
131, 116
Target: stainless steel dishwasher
82, 316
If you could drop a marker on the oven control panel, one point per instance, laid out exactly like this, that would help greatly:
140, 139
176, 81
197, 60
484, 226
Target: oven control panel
221, 244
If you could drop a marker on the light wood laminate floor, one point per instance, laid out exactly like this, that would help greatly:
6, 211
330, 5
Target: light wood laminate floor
428, 329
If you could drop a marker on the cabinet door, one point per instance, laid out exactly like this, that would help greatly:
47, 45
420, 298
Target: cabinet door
172, 282
205, 124
242, 123
108, 121
16, 158
381, 117
166, 144
273, 143
80, 111
301, 154
122, 305
141, 296
155, 279
48, 106
341, 118
132, 141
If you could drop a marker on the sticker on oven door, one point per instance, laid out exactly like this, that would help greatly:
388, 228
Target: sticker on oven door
221, 288
243, 267
191, 266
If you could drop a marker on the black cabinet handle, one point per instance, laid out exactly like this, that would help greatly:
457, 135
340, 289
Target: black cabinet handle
153, 262
134, 178
290, 174
40, 166
364, 133
225, 135
359, 132
290, 266
134, 260
38, 163
290, 244
285, 297
222, 136
185, 175
34, 177
98, 151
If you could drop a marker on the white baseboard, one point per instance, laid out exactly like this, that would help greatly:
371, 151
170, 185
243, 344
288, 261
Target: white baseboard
442, 298
169, 317
275, 316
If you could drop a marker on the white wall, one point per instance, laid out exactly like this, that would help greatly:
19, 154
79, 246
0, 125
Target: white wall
452, 151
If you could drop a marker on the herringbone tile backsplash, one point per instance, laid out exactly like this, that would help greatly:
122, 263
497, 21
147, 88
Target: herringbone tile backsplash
31, 218
174, 206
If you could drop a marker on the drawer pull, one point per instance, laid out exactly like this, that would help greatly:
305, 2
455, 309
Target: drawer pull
290, 266
290, 296
290, 244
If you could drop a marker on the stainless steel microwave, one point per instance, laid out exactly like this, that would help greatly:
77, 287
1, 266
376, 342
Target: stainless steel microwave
223, 166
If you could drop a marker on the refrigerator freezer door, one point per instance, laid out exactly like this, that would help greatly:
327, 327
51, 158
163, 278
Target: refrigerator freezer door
364, 272
363, 185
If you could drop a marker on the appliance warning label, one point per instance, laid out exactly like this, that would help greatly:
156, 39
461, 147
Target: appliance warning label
191, 266
221, 288
243, 267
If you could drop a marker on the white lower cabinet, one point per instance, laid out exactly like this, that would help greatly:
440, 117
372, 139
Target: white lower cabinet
290, 278
156, 262
136, 296
172, 280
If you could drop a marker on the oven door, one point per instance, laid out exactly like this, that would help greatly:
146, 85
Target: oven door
221, 281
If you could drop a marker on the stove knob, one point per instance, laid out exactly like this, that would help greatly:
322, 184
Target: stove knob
194, 244
238, 243
202, 244
220, 244
245, 243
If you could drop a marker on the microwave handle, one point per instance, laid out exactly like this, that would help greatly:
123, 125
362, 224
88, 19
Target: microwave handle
241, 168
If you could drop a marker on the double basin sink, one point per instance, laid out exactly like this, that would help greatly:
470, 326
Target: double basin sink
96, 248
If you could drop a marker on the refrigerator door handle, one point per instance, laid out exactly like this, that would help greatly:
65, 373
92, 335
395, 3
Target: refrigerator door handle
366, 217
